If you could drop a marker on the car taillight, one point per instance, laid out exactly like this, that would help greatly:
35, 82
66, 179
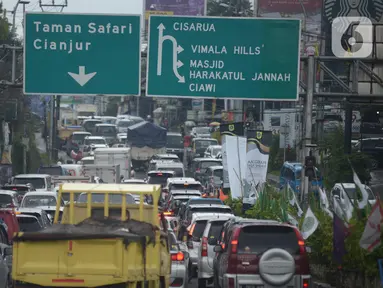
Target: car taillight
234, 242
301, 242
198, 170
168, 213
306, 283
204, 247
178, 257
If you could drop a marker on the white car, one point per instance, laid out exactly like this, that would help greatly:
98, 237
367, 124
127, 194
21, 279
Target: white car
179, 276
213, 151
46, 201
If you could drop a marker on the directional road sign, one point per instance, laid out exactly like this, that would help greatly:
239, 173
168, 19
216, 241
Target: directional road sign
209, 57
77, 54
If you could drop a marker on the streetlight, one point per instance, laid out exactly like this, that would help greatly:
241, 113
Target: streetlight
23, 2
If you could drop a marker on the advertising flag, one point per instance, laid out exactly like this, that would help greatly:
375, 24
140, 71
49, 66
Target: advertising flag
233, 129
257, 157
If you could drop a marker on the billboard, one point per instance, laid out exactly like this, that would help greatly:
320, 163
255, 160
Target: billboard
309, 11
176, 7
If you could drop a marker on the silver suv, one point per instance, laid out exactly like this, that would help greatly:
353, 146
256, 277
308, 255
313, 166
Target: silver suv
206, 252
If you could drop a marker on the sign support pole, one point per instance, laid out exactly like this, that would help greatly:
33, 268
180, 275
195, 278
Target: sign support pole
308, 122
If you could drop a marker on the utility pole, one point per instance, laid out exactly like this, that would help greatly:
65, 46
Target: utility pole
308, 122
348, 109
51, 127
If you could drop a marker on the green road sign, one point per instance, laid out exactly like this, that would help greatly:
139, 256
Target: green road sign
239, 58
77, 54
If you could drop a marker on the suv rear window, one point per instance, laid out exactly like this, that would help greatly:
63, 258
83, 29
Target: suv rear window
207, 164
258, 239
159, 178
211, 210
215, 229
205, 201
199, 228
185, 186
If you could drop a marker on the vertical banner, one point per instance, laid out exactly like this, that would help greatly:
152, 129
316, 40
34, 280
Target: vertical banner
236, 164
258, 150
233, 129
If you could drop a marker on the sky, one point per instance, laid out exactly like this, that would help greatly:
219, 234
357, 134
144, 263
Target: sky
84, 6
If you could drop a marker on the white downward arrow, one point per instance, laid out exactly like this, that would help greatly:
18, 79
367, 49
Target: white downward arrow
82, 78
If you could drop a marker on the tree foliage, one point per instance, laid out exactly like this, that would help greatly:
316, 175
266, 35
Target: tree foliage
229, 8
335, 163
4, 25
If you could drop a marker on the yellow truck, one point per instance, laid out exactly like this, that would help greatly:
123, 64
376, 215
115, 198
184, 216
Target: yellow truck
111, 242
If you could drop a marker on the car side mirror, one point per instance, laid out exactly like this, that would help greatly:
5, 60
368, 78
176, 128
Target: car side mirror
218, 249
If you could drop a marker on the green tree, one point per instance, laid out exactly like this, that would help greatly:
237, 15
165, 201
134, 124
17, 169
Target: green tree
335, 163
4, 25
229, 8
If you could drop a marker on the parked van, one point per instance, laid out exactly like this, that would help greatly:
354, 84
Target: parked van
291, 174
41, 182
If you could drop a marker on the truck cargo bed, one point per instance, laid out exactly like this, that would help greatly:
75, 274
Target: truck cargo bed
90, 254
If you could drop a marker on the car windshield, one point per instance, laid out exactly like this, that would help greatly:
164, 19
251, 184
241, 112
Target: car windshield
206, 201
21, 190
207, 164
258, 239
37, 183
54, 171
32, 201
211, 210
204, 143
198, 229
172, 242
179, 172
186, 186
113, 198
218, 173
29, 224
353, 193
107, 130
216, 150
202, 130
91, 124
215, 229
94, 141
5, 200
174, 141
169, 159
158, 178
79, 138
125, 123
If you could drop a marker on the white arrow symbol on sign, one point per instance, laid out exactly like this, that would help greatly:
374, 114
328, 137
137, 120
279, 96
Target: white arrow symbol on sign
179, 64
82, 78
176, 50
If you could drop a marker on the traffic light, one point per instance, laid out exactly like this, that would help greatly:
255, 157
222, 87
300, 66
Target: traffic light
310, 163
